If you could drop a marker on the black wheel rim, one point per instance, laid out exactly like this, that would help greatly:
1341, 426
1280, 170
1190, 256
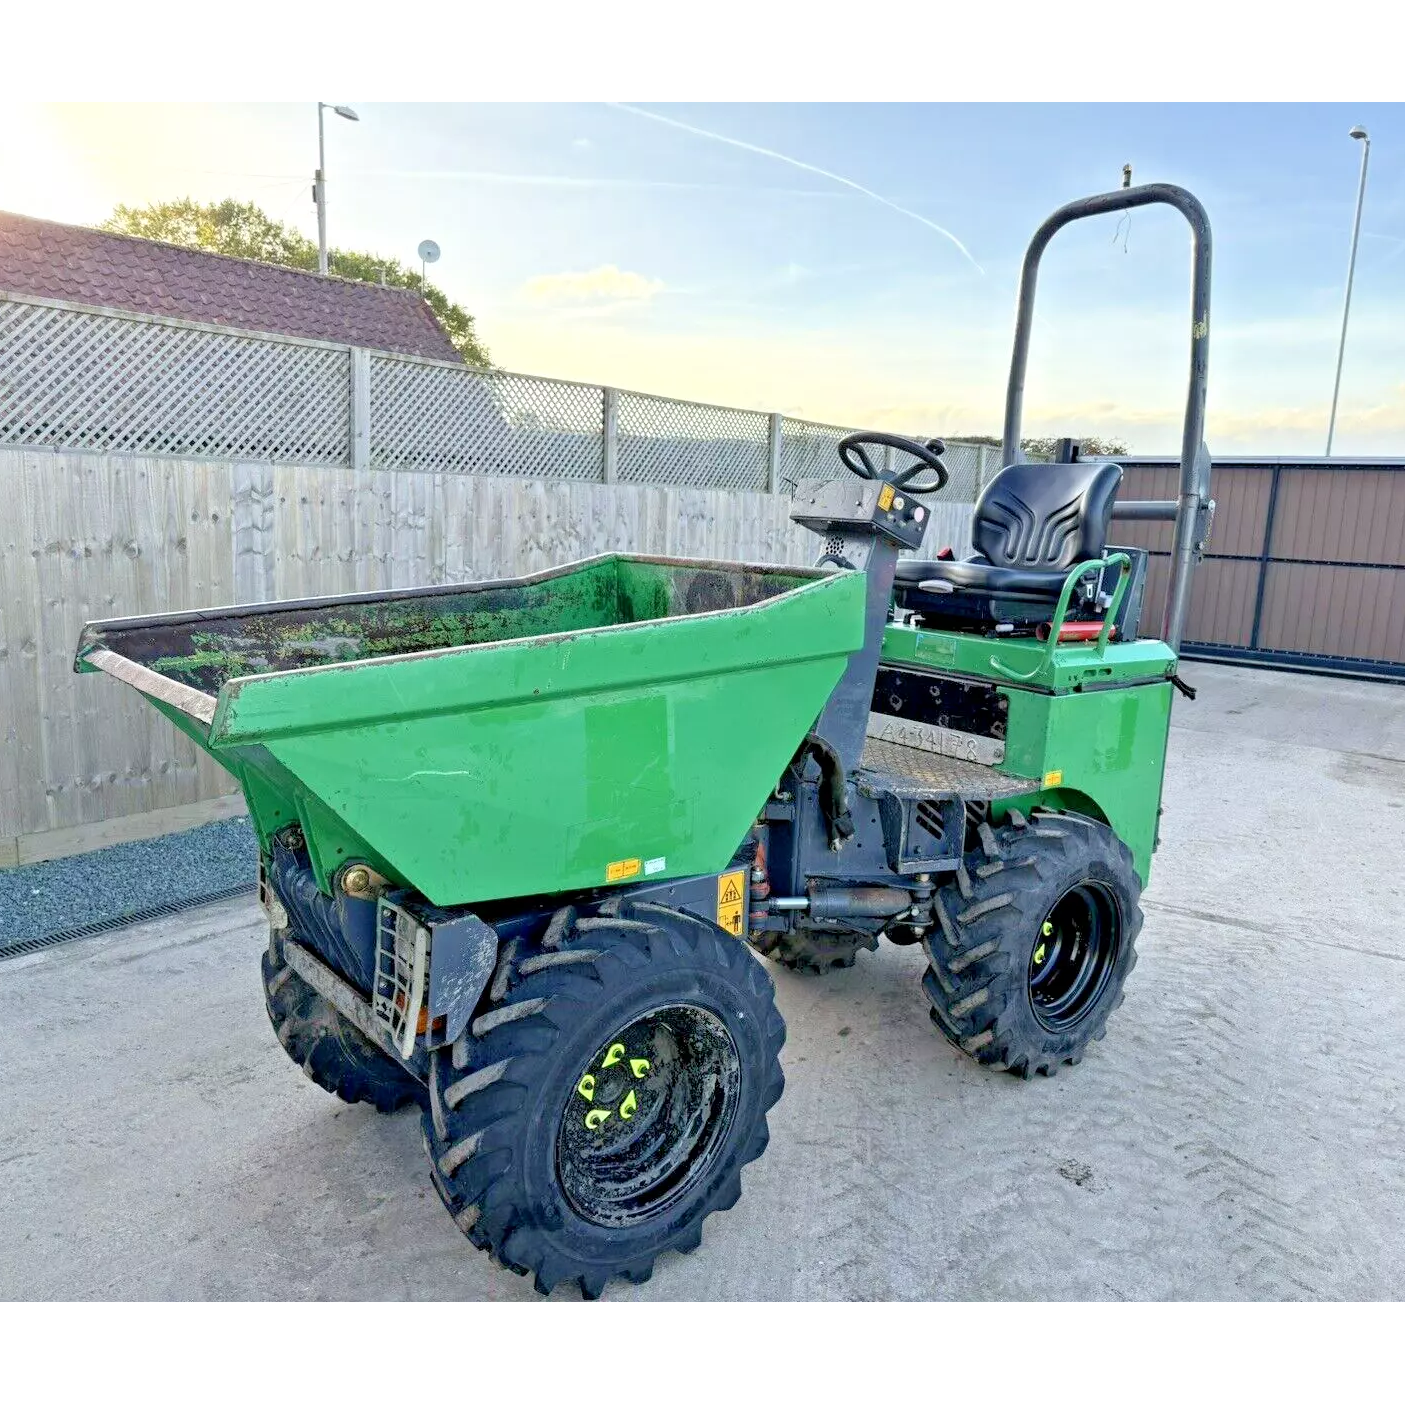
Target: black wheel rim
1073, 956
646, 1118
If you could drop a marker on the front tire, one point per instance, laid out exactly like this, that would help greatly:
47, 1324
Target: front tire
1036, 939
617, 1079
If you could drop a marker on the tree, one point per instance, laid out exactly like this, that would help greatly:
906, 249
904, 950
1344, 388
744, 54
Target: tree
240, 228
1089, 445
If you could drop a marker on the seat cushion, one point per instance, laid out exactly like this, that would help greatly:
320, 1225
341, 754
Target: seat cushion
976, 574
1031, 526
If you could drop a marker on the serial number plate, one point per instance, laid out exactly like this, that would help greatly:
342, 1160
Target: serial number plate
942, 741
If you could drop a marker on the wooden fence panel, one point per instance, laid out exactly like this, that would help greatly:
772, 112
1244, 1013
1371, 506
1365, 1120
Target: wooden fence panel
98, 536
102, 536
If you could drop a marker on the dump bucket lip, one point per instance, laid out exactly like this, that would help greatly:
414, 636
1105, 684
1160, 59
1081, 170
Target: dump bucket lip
212, 709
181, 696
423, 592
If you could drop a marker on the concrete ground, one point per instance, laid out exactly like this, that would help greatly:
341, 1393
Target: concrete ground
1239, 1134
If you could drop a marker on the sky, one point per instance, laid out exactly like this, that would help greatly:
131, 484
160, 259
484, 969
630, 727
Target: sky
851, 263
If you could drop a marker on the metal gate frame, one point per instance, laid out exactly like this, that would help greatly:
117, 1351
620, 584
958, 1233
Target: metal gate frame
1255, 652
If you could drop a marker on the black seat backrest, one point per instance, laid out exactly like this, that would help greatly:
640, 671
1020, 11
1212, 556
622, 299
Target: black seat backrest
1046, 516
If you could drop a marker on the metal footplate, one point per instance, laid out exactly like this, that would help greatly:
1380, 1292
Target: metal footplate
922, 792
908, 772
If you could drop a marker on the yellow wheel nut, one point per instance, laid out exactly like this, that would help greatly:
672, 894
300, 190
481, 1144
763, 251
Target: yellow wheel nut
586, 1087
613, 1056
639, 1067
628, 1105
596, 1119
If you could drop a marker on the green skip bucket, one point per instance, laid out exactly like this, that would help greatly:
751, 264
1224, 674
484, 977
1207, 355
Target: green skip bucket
619, 718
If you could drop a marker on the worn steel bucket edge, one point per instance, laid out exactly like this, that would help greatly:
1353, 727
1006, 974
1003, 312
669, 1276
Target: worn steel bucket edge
94, 630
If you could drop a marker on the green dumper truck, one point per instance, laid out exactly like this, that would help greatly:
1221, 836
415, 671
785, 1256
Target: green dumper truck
520, 839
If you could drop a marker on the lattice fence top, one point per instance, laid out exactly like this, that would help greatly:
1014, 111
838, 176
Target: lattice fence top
705, 446
963, 463
809, 451
425, 415
75, 380
72, 378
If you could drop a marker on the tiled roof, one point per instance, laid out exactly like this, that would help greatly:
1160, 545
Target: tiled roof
72, 264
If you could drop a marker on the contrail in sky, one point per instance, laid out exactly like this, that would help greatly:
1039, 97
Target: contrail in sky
800, 166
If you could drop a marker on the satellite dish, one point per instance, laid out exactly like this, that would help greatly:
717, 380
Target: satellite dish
429, 251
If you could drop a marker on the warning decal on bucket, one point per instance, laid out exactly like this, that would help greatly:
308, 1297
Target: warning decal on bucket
731, 895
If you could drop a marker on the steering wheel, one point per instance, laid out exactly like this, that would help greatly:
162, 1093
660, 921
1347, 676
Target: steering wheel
851, 451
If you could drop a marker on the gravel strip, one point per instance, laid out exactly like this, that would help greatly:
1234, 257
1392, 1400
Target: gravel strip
113, 883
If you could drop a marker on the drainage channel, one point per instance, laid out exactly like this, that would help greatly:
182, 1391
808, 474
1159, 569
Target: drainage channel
25, 946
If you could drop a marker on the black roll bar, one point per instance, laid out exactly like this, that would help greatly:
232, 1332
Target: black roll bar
1191, 510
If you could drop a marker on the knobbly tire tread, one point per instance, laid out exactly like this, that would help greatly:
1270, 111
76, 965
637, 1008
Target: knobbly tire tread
481, 1148
978, 954
813, 953
329, 1049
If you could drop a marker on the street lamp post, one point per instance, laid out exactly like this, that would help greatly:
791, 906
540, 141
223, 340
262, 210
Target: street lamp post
1358, 134
319, 188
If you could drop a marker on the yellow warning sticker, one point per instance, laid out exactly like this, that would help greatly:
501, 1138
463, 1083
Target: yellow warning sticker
731, 896
885, 496
1052, 778
622, 868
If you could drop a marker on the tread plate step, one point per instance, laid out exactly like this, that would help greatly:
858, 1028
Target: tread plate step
907, 772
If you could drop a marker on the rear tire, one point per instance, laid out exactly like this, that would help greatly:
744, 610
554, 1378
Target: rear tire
1035, 942
330, 1050
617, 1079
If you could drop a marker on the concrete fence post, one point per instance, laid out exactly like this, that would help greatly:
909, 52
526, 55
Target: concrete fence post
360, 408
610, 432
775, 444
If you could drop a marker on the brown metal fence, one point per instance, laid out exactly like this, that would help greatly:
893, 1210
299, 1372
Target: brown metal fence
1306, 564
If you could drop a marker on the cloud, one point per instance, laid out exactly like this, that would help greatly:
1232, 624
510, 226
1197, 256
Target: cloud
604, 284
800, 166
867, 376
582, 143
594, 182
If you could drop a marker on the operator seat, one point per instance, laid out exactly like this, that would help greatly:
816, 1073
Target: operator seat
1033, 523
